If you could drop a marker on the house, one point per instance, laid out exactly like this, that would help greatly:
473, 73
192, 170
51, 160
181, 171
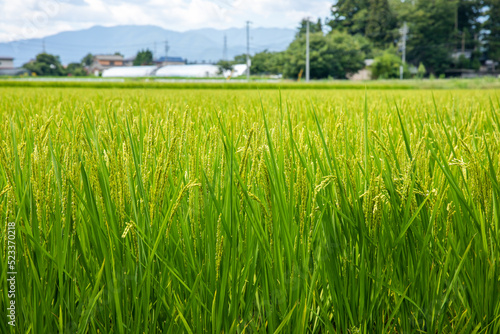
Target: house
489, 66
467, 54
164, 61
103, 62
7, 68
6, 62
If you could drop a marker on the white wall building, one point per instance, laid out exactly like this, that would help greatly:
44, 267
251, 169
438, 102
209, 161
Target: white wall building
6, 62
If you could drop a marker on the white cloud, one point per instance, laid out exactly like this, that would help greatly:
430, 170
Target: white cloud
23, 19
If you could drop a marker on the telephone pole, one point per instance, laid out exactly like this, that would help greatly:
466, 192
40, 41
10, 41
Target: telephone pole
248, 50
404, 32
224, 51
307, 51
166, 51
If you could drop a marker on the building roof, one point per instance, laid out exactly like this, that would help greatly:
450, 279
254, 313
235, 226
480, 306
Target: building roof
108, 57
170, 59
6, 58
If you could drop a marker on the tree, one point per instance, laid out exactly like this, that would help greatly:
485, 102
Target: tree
224, 65
46, 64
334, 55
240, 59
421, 71
381, 24
492, 24
468, 26
313, 27
349, 16
75, 69
87, 60
436, 27
266, 62
386, 66
144, 57
374, 19
431, 30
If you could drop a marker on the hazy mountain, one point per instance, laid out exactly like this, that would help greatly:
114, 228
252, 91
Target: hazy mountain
194, 45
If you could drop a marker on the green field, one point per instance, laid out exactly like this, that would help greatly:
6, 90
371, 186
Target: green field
244, 211
157, 83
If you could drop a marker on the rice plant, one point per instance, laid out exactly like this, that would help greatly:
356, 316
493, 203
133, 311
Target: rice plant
212, 211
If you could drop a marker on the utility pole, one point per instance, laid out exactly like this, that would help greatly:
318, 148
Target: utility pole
404, 32
166, 51
248, 50
307, 50
224, 51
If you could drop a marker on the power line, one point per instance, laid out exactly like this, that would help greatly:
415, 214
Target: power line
224, 51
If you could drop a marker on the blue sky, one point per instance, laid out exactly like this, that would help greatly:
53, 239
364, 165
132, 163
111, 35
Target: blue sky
23, 19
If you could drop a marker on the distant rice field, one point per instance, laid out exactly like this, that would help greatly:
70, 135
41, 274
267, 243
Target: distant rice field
251, 211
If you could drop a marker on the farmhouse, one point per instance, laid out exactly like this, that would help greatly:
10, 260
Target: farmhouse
103, 62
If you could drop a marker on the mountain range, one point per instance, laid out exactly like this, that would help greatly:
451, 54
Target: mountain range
194, 45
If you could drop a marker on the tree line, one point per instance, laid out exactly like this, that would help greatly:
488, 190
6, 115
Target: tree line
442, 35
50, 65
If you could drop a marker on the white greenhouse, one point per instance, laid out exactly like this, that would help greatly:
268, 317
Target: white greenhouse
129, 71
198, 71
239, 69
192, 71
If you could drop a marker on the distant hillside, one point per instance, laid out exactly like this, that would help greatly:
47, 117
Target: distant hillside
194, 45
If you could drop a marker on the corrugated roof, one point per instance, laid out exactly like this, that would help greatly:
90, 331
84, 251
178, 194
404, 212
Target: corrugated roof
171, 59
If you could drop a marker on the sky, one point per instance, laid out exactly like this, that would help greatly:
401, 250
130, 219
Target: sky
25, 19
